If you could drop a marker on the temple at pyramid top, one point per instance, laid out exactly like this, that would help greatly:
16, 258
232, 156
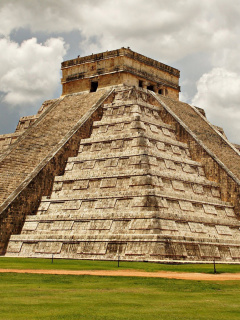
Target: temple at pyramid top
117, 67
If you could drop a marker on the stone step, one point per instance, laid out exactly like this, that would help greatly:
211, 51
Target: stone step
129, 136
129, 119
170, 215
37, 142
139, 198
124, 238
199, 125
164, 174
97, 169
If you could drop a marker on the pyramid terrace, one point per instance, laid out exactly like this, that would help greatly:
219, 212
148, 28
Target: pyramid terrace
119, 167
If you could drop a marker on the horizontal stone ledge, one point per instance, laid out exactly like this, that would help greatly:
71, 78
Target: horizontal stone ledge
143, 193
131, 238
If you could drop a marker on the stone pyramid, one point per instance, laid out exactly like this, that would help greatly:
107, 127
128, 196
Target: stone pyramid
147, 182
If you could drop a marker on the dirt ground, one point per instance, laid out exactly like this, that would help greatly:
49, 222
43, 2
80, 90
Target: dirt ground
131, 273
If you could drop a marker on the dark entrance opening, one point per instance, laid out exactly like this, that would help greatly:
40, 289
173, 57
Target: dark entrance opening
94, 86
150, 88
160, 91
140, 83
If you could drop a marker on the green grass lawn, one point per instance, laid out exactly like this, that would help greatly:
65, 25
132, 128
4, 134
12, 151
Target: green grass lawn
62, 264
60, 297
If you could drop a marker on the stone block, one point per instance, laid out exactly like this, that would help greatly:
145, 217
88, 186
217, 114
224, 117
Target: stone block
176, 150
166, 132
170, 164
62, 225
105, 203
179, 250
108, 183
30, 226
223, 230
209, 209
178, 185
92, 248
154, 128
81, 225
186, 206
140, 181
235, 252
209, 251
120, 226
69, 166
168, 225
14, 246
215, 192
80, 184
48, 247
138, 160
136, 248
111, 162
187, 168
116, 144
161, 146
89, 164
229, 212
115, 249
162, 202
100, 224
196, 227
153, 161
118, 126
96, 147
140, 142
57, 186
158, 250
197, 188
102, 129
44, 206
139, 202
121, 110
72, 205
141, 224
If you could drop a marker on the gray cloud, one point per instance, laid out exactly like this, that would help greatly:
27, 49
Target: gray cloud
29, 71
149, 26
199, 37
218, 92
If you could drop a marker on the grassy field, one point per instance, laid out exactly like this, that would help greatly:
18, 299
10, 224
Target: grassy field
45, 297
60, 264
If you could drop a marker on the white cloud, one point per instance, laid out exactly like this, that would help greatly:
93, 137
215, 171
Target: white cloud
30, 71
219, 94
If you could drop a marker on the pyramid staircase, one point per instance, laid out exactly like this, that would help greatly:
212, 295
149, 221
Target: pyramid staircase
28, 166
133, 191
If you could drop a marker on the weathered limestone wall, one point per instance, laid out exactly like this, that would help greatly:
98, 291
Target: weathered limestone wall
27, 202
24, 123
24, 196
6, 140
134, 191
221, 162
107, 69
84, 84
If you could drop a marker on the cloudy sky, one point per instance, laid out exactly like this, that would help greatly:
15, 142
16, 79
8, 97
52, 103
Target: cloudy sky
200, 38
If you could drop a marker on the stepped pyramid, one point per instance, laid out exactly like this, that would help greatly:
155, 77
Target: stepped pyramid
123, 171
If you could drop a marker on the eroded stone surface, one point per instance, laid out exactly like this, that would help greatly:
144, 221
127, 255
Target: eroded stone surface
132, 191
118, 167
